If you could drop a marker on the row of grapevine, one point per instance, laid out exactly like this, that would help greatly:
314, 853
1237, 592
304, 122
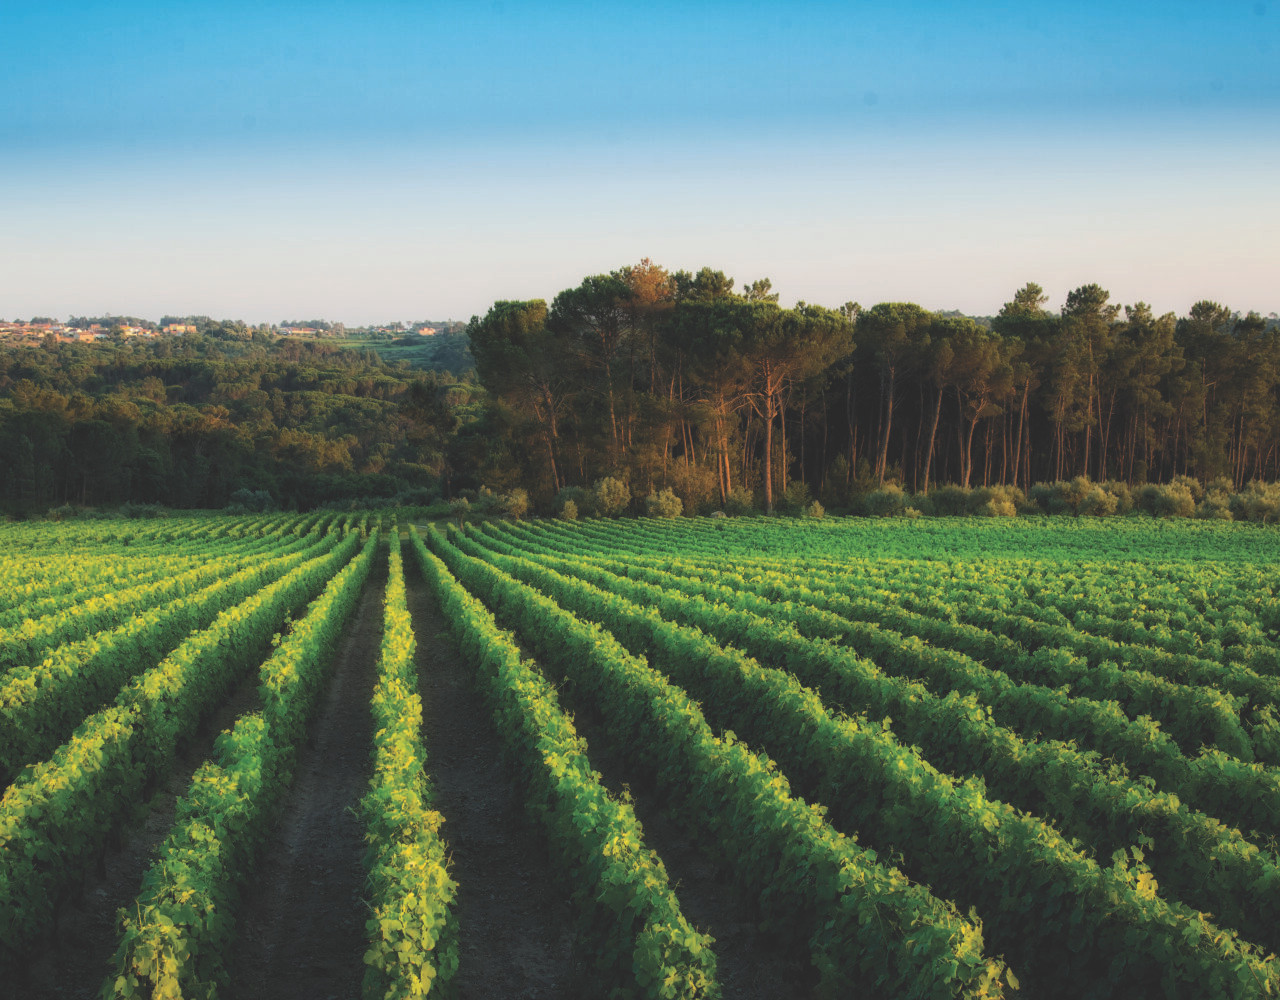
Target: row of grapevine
412, 930
978, 851
1245, 794
41, 704
627, 908
1055, 655
45, 584
56, 817
1196, 858
866, 924
88, 575
31, 640
177, 934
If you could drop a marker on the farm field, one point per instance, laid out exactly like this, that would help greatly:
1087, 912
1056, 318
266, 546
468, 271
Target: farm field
315, 755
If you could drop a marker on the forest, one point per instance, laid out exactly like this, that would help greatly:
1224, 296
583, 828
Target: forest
673, 379
661, 380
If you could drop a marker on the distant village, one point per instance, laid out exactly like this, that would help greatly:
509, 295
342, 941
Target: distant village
38, 330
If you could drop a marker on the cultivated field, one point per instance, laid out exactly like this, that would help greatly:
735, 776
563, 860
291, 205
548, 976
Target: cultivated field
301, 756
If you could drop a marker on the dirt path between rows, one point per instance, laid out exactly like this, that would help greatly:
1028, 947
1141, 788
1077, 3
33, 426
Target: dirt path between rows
302, 933
515, 925
748, 964
75, 964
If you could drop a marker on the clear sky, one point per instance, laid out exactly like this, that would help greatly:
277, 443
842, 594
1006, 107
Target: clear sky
371, 161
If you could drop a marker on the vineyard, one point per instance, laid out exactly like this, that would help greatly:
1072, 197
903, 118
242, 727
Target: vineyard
324, 755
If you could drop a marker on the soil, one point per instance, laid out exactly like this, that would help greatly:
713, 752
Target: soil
515, 923
75, 962
748, 964
302, 921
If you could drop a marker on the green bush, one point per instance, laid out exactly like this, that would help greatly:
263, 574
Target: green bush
995, 501
583, 500
515, 503
663, 503
1122, 493
1097, 502
1173, 500
1216, 506
459, 507
612, 496
568, 511
888, 501
696, 485
1047, 497
1258, 502
815, 510
796, 497
835, 484
739, 501
945, 501
1192, 486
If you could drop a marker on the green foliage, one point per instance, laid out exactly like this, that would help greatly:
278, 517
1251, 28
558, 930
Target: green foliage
628, 912
944, 501
663, 503
514, 503
1172, 500
739, 501
795, 498
97, 776
611, 496
1259, 502
568, 511
888, 501
1191, 845
412, 932
745, 805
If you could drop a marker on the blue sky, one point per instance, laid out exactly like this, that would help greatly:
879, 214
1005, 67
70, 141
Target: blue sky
369, 161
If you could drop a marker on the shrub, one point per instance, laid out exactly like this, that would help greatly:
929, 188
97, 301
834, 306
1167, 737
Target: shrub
995, 501
815, 510
946, 501
1097, 502
696, 485
568, 511
835, 484
1257, 502
255, 501
1192, 486
1047, 497
796, 497
1123, 495
663, 503
612, 496
1216, 506
459, 507
514, 503
1173, 500
888, 501
739, 501
583, 500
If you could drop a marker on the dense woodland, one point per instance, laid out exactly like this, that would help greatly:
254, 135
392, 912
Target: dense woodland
189, 421
662, 380
675, 379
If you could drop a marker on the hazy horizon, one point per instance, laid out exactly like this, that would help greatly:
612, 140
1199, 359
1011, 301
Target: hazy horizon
388, 161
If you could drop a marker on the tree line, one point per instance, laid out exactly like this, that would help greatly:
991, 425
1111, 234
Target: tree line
658, 381
674, 379
193, 421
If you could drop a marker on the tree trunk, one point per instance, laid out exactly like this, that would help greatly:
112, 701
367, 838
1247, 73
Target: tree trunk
933, 434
